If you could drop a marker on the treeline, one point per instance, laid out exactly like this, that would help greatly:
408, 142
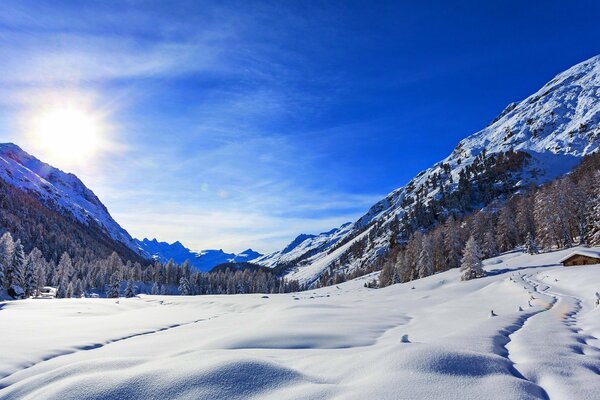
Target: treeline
556, 215
24, 275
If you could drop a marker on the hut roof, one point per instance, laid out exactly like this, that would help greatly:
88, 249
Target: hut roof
585, 253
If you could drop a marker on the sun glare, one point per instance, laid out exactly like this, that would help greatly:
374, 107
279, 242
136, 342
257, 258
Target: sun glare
69, 134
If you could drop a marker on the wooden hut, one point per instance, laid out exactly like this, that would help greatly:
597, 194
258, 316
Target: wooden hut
581, 257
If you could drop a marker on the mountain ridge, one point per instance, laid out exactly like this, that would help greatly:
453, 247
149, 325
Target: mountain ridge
203, 260
534, 140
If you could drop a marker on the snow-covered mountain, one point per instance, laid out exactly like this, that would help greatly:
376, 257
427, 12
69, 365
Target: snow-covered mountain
532, 141
303, 245
60, 191
203, 260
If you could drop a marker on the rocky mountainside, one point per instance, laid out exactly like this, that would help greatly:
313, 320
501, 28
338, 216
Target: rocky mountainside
61, 191
55, 212
530, 142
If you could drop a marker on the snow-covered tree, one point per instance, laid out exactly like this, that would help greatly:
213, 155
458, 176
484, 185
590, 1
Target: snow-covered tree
16, 273
70, 292
155, 288
530, 245
489, 247
452, 242
425, 260
471, 266
7, 248
508, 235
114, 285
29, 278
130, 289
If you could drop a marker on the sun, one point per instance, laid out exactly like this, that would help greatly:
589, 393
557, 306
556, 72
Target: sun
67, 133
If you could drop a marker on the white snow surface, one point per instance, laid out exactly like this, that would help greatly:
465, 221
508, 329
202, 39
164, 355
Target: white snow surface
58, 190
556, 126
339, 342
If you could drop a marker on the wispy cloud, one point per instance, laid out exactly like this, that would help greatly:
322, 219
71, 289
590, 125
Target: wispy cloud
209, 115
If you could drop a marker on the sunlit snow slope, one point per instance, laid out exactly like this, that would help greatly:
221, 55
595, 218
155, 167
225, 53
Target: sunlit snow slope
59, 190
555, 126
341, 342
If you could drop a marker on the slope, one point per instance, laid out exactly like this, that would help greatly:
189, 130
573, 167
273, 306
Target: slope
430, 338
530, 142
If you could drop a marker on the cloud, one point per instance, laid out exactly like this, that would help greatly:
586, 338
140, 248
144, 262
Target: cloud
207, 112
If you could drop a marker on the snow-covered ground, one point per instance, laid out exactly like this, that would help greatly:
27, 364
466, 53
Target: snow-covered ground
342, 342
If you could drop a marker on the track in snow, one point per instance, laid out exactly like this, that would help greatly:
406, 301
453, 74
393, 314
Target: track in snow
95, 346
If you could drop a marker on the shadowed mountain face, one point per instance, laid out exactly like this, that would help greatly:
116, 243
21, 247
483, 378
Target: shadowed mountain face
55, 212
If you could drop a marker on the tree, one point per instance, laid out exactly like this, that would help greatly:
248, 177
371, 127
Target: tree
16, 273
155, 288
471, 266
452, 242
531, 246
425, 260
7, 248
70, 290
490, 247
508, 235
64, 272
30, 278
114, 285
130, 289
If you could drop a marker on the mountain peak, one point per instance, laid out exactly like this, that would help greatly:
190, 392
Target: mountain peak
532, 141
60, 191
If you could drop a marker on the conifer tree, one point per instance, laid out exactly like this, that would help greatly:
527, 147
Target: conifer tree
155, 289
425, 260
130, 289
7, 248
531, 246
490, 247
114, 285
184, 287
17, 272
29, 279
471, 266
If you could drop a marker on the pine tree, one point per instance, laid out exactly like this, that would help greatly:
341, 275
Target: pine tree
7, 248
452, 242
17, 271
155, 289
508, 235
425, 260
64, 272
114, 285
490, 247
592, 225
29, 281
70, 290
471, 265
130, 289
531, 246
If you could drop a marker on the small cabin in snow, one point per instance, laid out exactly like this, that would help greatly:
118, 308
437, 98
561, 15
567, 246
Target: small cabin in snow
581, 257
47, 292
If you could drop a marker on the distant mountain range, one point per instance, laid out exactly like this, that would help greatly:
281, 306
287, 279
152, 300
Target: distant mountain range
55, 212
204, 260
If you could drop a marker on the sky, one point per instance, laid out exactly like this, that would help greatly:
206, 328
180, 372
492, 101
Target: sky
236, 124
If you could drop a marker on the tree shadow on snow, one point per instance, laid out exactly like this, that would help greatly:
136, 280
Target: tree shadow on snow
495, 272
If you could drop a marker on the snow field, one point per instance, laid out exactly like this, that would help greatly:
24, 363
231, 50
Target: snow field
342, 342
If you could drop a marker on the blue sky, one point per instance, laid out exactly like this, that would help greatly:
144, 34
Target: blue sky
236, 124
